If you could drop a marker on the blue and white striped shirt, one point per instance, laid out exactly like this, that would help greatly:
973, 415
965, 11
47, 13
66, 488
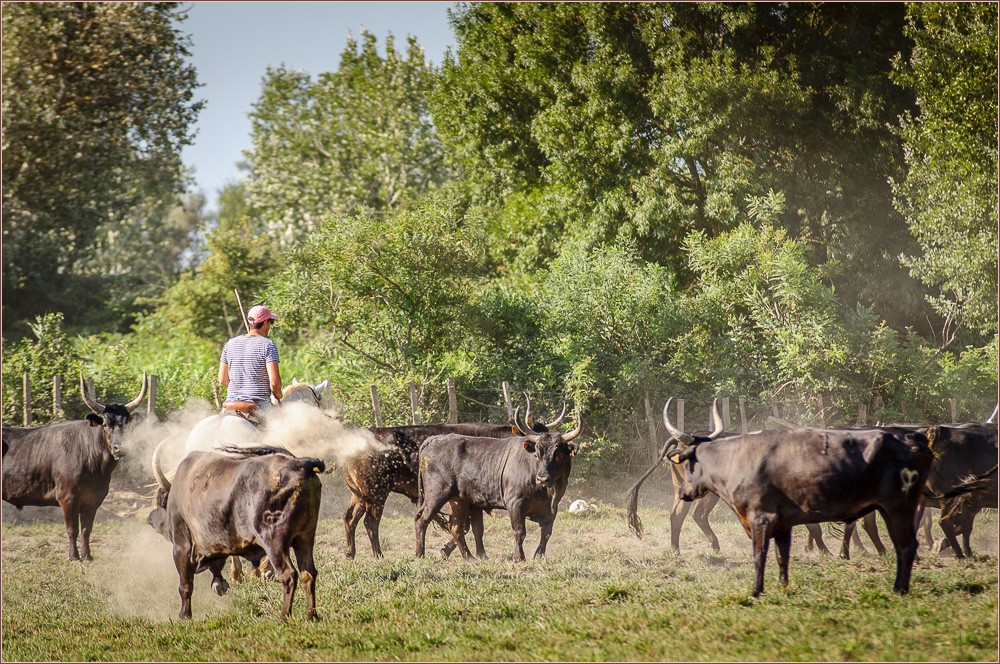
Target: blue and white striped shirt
247, 357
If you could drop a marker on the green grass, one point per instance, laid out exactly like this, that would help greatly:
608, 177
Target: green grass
602, 595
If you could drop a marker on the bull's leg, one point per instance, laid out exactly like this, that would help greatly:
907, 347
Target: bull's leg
71, 516
782, 548
428, 509
86, 527
702, 508
546, 527
678, 512
903, 533
373, 517
760, 535
850, 530
950, 528
459, 524
353, 515
476, 520
968, 518
237, 572
303, 548
283, 567
871, 527
816, 534
185, 574
924, 519
517, 524
219, 584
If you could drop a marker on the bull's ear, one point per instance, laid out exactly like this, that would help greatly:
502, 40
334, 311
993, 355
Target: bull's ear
572, 449
675, 457
529, 445
513, 430
95, 420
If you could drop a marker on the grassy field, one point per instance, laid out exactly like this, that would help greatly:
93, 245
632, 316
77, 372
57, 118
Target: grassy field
602, 595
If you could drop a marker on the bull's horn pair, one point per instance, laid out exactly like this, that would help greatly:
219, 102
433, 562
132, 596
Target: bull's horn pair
530, 421
687, 438
535, 437
98, 407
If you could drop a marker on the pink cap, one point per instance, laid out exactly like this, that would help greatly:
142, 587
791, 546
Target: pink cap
259, 314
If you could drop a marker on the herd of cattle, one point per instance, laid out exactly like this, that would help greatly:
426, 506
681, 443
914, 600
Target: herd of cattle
246, 498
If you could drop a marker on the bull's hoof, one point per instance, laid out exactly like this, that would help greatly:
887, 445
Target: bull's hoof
220, 587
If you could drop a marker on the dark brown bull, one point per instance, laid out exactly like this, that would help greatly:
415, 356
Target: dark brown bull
68, 464
775, 480
372, 475
960, 452
526, 475
247, 501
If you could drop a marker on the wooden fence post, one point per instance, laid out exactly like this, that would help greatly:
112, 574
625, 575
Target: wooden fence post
414, 416
215, 394
57, 409
954, 410
650, 422
862, 414
774, 408
743, 415
726, 422
27, 400
376, 406
151, 404
452, 402
506, 399
680, 414
822, 409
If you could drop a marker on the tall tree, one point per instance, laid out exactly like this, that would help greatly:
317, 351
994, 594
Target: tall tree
97, 106
654, 119
949, 195
357, 138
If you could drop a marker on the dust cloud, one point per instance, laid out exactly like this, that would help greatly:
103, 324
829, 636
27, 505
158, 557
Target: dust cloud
302, 429
140, 581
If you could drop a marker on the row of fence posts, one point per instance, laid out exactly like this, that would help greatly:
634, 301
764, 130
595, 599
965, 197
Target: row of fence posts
652, 417
57, 409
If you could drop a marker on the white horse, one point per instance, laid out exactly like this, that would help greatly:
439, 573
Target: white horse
220, 429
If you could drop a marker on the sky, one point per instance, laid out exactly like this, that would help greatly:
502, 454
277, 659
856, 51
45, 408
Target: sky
233, 43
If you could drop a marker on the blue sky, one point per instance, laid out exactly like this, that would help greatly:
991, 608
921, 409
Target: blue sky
233, 43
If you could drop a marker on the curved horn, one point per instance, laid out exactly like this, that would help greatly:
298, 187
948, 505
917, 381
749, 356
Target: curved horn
91, 402
529, 421
161, 479
134, 403
576, 431
716, 420
558, 420
671, 429
517, 423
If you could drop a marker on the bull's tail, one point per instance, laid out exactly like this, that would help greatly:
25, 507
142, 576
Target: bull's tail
254, 450
970, 484
632, 499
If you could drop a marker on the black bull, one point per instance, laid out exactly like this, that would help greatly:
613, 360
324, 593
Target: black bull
250, 502
372, 475
68, 464
527, 476
775, 480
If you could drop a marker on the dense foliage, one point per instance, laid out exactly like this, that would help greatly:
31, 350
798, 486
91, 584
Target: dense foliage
609, 203
97, 106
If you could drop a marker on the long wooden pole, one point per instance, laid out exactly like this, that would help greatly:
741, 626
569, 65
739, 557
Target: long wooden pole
242, 313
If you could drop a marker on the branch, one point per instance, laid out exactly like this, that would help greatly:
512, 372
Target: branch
365, 355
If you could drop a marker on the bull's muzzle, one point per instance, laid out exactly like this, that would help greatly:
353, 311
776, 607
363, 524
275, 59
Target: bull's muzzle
544, 480
117, 452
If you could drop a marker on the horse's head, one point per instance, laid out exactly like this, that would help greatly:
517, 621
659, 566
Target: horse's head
305, 393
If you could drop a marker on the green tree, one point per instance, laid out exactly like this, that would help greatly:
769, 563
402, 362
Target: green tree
650, 120
357, 138
97, 106
382, 299
949, 195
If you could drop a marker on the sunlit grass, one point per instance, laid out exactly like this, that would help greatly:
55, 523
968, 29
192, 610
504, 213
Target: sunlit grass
601, 595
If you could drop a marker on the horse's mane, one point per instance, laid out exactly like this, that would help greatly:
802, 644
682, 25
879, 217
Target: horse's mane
298, 387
